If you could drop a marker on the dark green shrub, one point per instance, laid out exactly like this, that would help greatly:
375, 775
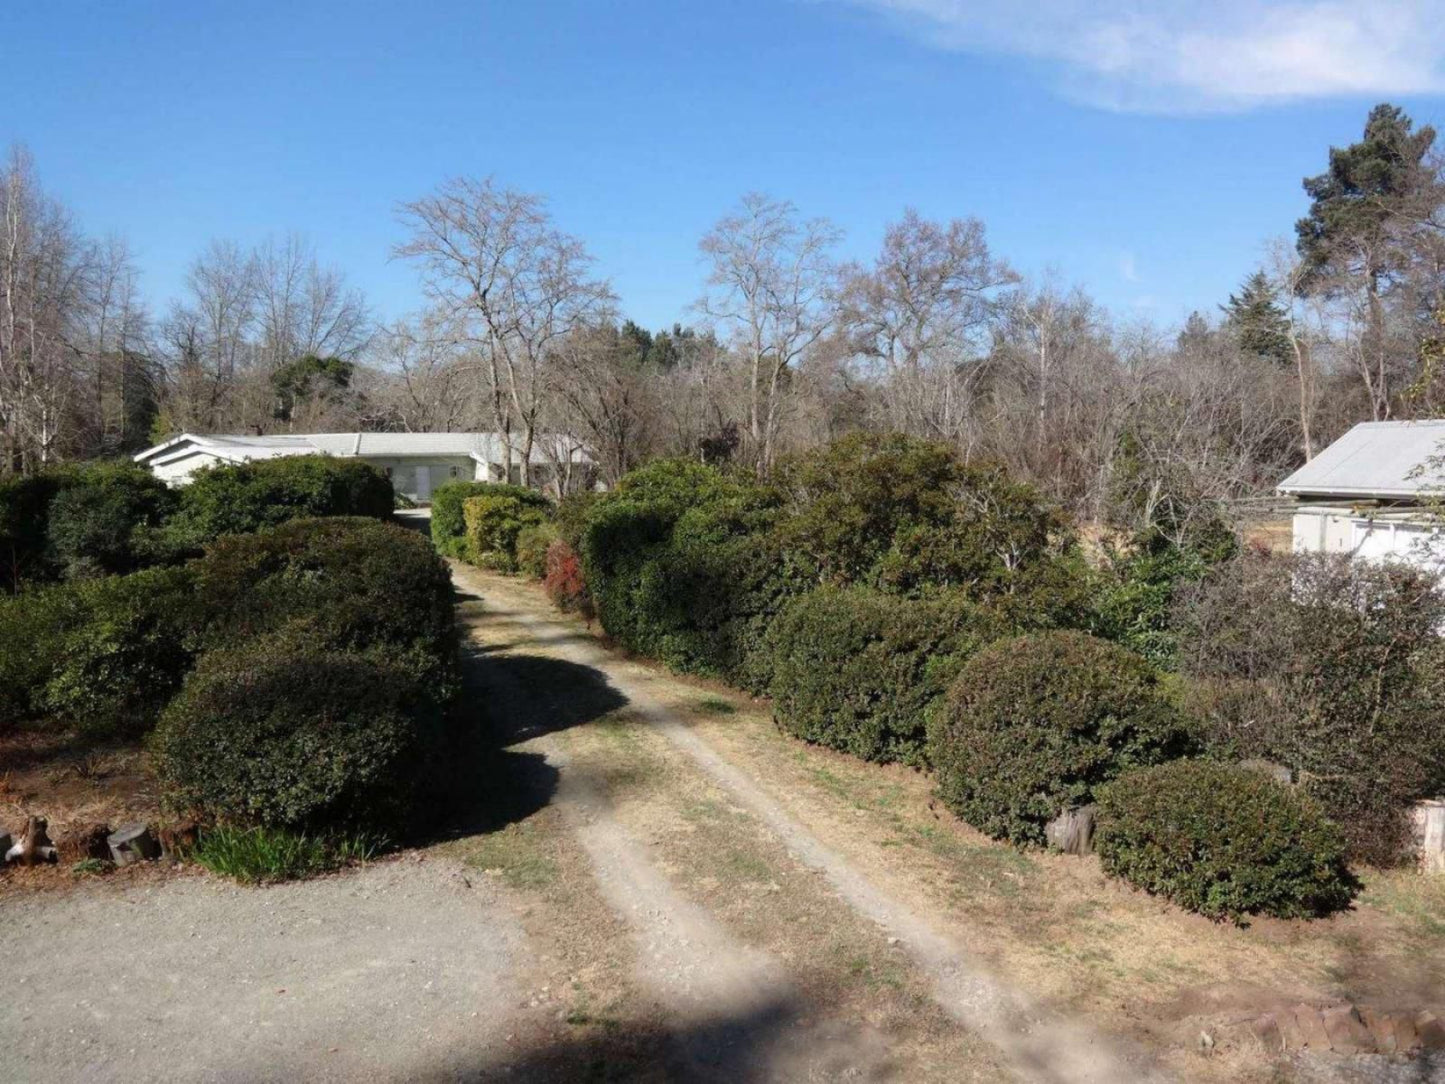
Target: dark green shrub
1222, 841
860, 670
448, 525
123, 652
570, 516
246, 497
1033, 724
1332, 667
355, 583
32, 626
533, 542
493, 523
24, 525
101, 518
279, 733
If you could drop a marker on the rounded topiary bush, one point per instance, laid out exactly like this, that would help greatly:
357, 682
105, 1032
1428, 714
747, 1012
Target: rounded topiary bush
357, 583
280, 733
859, 670
1222, 841
1034, 723
494, 521
533, 542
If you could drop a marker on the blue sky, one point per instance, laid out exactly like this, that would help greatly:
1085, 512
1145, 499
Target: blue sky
1146, 157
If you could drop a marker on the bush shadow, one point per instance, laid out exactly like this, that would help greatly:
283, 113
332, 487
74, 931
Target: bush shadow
505, 700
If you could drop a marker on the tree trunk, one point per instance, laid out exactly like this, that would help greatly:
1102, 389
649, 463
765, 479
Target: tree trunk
1429, 818
1072, 831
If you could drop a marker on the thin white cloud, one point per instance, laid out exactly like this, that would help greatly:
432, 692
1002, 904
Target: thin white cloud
1208, 55
1128, 268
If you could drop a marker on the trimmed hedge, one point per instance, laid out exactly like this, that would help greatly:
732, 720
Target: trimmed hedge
448, 526
355, 583
533, 542
284, 733
859, 670
127, 653
101, 655
493, 523
1222, 841
247, 497
102, 518
1033, 724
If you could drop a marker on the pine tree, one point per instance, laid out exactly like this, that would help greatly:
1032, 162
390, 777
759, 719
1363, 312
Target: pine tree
1257, 320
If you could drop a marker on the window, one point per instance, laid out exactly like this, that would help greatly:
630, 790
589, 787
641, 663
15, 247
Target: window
455, 471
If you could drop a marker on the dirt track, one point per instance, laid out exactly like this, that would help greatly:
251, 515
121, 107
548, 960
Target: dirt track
640, 907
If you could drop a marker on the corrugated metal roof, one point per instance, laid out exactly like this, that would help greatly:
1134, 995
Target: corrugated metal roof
1374, 459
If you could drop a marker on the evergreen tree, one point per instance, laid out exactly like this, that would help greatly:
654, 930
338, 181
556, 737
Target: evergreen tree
1258, 321
1355, 200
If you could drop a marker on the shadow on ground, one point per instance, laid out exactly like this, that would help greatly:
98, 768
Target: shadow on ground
504, 701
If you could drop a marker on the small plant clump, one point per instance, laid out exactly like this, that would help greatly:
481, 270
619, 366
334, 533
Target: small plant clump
261, 855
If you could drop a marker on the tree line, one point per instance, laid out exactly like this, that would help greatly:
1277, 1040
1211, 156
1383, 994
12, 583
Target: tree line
786, 347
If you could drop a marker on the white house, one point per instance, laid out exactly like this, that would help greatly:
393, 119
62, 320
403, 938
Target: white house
415, 462
1374, 493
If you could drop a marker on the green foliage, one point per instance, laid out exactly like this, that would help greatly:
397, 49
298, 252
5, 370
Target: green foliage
533, 542
24, 528
266, 855
1222, 841
247, 497
101, 517
860, 670
1033, 724
1259, 322
309, 379
281, 732
681, 564
448, 526
495, 520
100, 655
570, 516
32, 627
122, 653
1332, 667
1355, 200
354, 583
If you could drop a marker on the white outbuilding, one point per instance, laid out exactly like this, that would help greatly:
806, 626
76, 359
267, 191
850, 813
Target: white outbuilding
1376, 493
416, 463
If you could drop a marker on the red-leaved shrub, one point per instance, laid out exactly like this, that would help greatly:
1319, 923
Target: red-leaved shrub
563, 582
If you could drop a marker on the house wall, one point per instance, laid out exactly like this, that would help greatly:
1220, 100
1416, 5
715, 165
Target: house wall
1415, 539
439, 469
178, 472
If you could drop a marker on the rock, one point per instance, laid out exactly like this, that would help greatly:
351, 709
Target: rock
1347, 1032
1290, 1035
132, 843
6, 842
1072, 831
1393, 1032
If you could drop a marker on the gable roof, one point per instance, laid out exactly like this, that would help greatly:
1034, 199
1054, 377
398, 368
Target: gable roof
1374, 459
487, 447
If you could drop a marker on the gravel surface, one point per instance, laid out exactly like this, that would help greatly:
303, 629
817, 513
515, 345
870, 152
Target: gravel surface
397, 971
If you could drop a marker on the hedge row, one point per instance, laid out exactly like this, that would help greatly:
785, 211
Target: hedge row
901, 605
113, 518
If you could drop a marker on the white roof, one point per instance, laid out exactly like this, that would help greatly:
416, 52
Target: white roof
1375, 459
487, 447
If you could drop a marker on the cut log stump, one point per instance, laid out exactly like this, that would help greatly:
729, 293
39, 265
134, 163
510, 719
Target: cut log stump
133, 843
1429, 818
1072, 831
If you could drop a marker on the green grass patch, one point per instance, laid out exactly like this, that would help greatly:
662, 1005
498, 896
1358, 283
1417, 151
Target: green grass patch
87, 867
266, 855
716, 705
518, 855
